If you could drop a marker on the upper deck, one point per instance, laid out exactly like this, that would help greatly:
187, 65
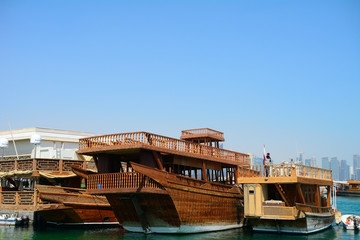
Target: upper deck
285, 173
353, 182
143, 140
202, 133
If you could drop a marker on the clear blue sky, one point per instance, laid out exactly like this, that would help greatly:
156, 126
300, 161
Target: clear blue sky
281, 73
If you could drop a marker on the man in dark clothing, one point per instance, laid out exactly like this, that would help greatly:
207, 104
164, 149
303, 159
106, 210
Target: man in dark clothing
267, 163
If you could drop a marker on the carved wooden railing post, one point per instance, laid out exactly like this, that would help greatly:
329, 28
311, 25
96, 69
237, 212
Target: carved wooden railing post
17, 198
60, 165
35, 199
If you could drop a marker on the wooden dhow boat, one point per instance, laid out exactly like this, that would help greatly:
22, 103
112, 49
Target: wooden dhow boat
157, 184
350, 189
287, 199
73, 207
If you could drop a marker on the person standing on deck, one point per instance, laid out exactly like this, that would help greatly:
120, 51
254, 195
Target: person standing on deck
267, 163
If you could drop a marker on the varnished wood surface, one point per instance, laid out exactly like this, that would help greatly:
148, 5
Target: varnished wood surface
73, 206
143, 140
65, 214
186, 201
285, 173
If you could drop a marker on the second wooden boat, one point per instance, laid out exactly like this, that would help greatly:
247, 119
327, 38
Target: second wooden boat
73, 207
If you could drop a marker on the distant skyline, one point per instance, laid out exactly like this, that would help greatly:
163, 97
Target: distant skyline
281, 73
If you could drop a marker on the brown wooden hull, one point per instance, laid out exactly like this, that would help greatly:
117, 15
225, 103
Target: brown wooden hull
75, 208
186, 206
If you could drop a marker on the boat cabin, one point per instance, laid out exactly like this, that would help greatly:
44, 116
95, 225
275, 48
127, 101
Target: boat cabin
284, 191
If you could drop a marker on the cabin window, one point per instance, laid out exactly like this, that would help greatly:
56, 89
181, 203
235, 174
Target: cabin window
106, 219
251, 191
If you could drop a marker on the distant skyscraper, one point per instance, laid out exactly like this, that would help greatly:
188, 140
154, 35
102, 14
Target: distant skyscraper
347, 172
301, 158
335, 168
352, 173
356, 164
325, 163
308, 162
344, 173
357, 173
313, 161
254, 160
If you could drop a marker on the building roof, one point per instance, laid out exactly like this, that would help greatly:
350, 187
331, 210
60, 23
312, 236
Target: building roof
46, 134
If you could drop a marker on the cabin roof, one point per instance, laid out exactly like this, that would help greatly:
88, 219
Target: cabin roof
202, 134
354, 181
45, 133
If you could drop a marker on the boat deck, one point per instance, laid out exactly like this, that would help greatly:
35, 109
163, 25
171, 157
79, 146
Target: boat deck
285, 173
142, 140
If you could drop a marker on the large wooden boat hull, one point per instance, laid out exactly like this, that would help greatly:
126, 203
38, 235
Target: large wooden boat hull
180, 208
75, 209
70, 215
311, 223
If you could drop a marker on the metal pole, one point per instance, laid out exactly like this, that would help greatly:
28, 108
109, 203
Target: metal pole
34, 151
17, 155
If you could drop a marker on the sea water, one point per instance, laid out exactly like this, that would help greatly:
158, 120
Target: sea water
347, 205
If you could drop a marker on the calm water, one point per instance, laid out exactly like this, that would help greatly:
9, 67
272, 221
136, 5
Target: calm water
345, 205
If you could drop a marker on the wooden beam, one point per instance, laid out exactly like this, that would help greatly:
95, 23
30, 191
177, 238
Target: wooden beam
237, 174
157, 160
300, 193
328, 188
317, 195
204, 171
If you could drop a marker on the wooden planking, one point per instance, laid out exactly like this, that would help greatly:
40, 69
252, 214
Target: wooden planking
313, 209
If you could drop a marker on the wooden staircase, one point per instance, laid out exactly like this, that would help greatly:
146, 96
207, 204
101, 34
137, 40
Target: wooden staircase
282, 193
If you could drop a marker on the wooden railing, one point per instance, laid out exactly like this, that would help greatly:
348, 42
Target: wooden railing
279, 211
166, 143
18, 200
15, 157
40, 164
285, 170
106, 182
200, 131
312, 209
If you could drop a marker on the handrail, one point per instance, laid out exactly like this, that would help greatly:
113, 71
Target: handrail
313, 209
113, 181
40, 164
18, 200
285, 170
136, 138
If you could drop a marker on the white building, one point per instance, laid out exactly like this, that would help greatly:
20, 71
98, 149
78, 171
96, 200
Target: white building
58, 144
